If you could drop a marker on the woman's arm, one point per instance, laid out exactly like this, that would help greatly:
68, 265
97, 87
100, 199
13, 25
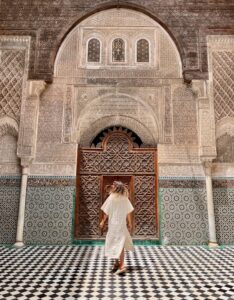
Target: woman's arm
105, 216
129, 217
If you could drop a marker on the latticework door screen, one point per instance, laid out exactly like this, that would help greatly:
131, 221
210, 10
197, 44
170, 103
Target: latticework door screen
116, 159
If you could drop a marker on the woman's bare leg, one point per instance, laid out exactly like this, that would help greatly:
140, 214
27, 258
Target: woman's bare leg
116, 262
121, 260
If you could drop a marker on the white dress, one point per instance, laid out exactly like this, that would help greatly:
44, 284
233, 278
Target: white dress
117, 207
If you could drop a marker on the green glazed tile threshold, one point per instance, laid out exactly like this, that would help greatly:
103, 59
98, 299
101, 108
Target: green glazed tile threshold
102, 242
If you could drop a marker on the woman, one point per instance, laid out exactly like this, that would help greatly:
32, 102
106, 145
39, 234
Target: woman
117, 208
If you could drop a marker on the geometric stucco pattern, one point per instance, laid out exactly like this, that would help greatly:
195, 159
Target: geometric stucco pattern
184, 116
108, 26
9, 205
224, 214
11, 80
223, 83
8, 126
225, 149
184, 219
49, 211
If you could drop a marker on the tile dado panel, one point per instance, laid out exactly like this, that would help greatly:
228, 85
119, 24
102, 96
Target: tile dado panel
223, 193
184, 218
49, 210
9, 206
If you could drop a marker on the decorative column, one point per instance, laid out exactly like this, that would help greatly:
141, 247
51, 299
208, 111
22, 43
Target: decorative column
20, 225
207, 146
29, 119
207, 165
206, 127
27, 144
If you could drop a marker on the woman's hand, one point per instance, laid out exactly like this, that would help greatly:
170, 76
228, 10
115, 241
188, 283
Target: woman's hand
130, 228
102, 224
129, 218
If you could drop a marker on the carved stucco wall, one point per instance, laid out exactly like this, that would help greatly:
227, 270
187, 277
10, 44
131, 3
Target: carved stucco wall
14, 63
9, 184
221, 65
53, 156
123, 109
148, 98
130, 26
146, 109
14, 55
8, 148
225, 141
184, 117
110, 121
9, 162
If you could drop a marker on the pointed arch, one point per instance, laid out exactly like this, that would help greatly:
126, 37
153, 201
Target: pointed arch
102, 7
8, 126
70, 57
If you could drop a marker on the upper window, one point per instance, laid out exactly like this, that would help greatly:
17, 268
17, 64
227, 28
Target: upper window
142, 51
94, 50
118, 50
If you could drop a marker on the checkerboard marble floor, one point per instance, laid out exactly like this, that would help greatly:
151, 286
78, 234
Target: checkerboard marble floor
82, 272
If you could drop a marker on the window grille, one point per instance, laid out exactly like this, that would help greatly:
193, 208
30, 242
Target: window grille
94, 50
142, 51
118, 50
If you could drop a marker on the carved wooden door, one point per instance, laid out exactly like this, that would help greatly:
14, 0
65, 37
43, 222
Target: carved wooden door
116, 159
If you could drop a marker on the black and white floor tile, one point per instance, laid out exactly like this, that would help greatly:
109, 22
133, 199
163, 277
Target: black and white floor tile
82, 272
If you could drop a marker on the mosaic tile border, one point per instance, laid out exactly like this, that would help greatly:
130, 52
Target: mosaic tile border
183, 184
191, 182
10, 181
181, 178
51, 177
10, 177
223, 178
37, 181
223, 183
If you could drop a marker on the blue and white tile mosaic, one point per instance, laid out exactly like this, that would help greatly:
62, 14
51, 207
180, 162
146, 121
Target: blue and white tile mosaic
49, 210
223, 194
9, 206
184, 219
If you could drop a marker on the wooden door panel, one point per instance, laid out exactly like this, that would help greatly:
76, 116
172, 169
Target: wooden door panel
117, 160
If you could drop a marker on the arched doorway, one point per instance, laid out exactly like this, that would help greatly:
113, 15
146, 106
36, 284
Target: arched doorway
117, 157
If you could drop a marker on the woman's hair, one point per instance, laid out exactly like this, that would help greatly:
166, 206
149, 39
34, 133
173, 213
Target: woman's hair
118, 187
